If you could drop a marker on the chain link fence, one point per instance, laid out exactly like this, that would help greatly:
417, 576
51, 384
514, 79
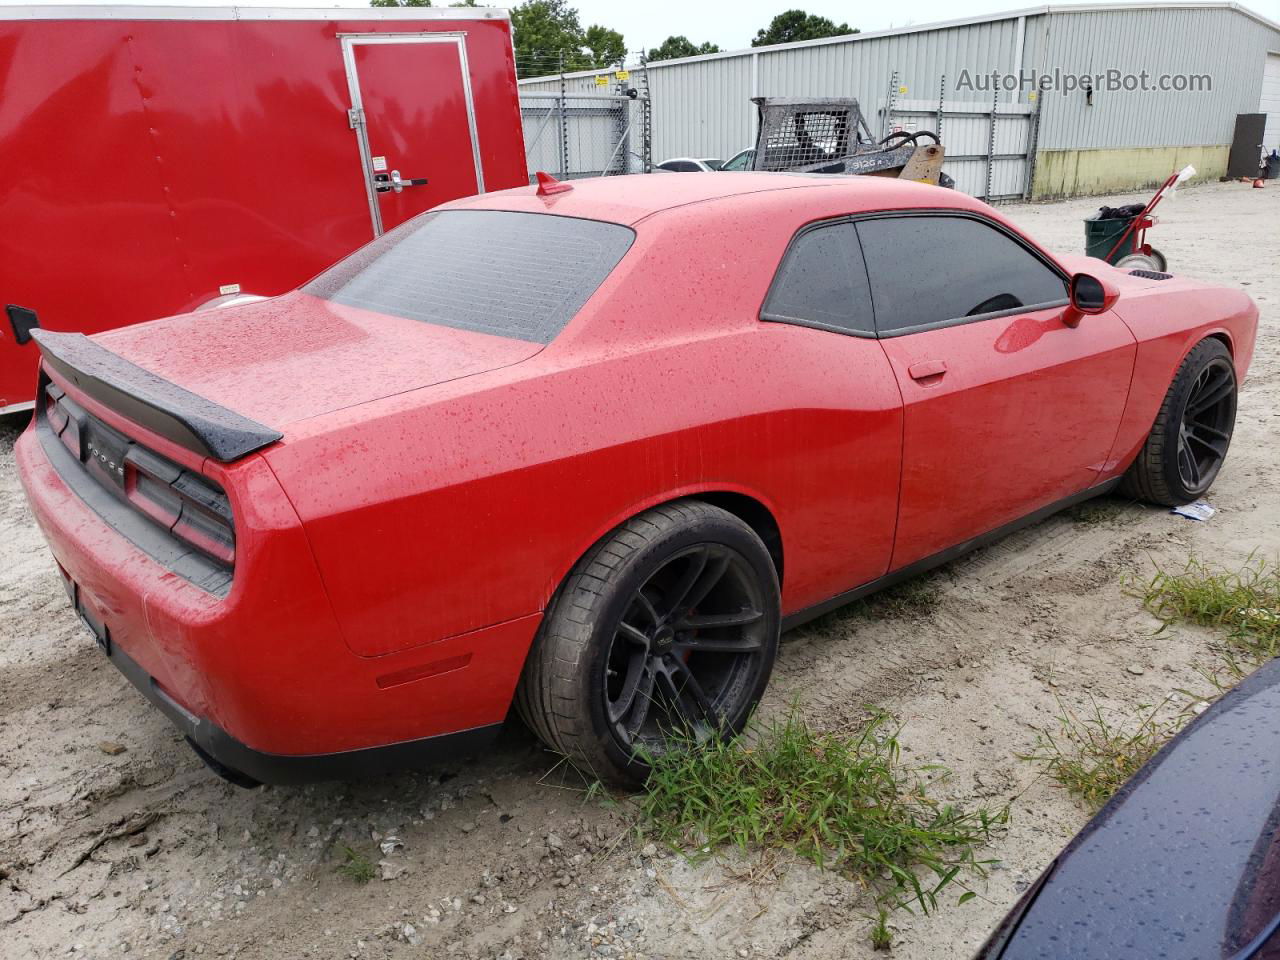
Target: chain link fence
573, 135
588, 123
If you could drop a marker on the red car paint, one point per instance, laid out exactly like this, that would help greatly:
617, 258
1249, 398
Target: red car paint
151, 159
396, 549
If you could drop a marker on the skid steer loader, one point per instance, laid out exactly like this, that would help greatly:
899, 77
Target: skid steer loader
830, 135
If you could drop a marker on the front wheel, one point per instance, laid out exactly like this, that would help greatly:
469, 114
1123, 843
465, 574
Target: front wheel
1188, 443
664, 633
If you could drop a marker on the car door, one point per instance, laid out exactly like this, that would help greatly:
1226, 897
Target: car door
1006, 408
845, 490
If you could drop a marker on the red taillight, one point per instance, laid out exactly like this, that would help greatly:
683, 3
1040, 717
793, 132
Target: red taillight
191, 506
211, 534
187, 505
147, 480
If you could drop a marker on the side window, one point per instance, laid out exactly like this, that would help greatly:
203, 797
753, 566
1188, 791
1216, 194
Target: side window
822, 282
679, 166
928, 270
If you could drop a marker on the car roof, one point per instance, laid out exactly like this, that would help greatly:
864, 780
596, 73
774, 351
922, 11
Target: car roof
630, 199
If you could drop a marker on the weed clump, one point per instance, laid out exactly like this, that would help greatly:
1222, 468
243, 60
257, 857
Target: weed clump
844, 802
1244, 603
1093, 757
356, 867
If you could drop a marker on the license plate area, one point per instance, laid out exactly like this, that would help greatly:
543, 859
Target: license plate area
88, 616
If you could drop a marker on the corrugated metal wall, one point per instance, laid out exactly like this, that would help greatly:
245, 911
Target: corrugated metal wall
1226, 44
701, 106
720, 89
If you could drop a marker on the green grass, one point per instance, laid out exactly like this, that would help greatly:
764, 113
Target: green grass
846, 803
1244, 604
881, 935
356, 867
1092, 756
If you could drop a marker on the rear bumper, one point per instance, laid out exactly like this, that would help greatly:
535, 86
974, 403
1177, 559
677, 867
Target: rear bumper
246, 766
260, 679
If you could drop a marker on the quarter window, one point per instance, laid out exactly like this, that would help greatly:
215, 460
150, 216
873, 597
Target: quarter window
928, 270
823, 283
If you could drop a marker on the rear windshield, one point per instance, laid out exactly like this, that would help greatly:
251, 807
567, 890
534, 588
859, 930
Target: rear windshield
516, 275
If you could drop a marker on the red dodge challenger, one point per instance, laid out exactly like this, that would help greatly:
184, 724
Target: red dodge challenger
589, 450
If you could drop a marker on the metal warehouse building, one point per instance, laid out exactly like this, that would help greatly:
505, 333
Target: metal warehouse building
1001, 143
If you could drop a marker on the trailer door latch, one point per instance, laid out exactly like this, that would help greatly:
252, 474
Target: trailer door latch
355, 117
382, 182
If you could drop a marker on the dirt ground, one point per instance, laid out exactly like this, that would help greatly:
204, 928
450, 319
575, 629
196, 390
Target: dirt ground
145, 853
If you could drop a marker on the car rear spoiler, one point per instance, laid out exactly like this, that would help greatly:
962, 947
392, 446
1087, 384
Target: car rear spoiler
162, 407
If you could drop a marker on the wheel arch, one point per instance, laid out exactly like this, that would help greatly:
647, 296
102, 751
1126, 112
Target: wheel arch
1221, 335
747, 505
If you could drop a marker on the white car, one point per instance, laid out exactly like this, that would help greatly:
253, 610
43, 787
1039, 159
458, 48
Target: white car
690, 165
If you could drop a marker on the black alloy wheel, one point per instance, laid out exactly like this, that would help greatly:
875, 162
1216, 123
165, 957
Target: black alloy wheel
1188, 442
1207, 420
662, 636
690, 644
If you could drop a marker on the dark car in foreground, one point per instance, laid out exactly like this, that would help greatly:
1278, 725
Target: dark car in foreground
1183, 863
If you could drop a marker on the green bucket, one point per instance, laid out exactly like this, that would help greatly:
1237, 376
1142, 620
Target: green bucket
1101, 235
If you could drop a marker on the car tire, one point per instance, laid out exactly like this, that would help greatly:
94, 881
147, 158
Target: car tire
669, 624
1189, 441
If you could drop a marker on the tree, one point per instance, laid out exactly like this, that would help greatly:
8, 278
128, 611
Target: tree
548, 30
673, 48
604, 46
796, 25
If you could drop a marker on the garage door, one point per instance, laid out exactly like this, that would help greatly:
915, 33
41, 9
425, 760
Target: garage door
1270, 103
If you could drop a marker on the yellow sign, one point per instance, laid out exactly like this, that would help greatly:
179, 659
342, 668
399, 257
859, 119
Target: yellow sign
902, 91
1032, 96
602, 81
622, 75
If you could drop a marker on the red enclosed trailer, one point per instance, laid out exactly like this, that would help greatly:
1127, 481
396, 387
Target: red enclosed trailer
156, 159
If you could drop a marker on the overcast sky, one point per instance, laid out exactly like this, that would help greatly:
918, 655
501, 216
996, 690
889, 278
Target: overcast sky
646, 23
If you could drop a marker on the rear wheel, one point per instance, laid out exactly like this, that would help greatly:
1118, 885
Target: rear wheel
1189, 441
664, 633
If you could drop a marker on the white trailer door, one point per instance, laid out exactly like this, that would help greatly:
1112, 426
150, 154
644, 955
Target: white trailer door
1270, 101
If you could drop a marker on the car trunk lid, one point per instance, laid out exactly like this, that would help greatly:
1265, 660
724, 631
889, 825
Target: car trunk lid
298, 356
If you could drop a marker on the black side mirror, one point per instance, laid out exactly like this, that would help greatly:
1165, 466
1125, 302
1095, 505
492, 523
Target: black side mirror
1088, 295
